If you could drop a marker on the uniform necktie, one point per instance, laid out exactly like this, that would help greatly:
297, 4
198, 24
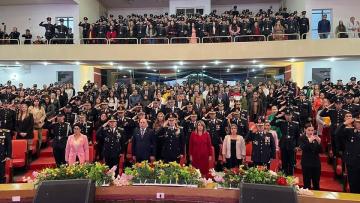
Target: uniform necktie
142, 132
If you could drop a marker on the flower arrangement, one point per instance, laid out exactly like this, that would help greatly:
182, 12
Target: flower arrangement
99, 173
257, 175
163, 173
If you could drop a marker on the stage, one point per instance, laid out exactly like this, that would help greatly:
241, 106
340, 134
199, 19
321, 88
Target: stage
26, 193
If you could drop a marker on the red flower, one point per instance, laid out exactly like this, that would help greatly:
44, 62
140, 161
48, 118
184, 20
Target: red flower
281, 181
235, 170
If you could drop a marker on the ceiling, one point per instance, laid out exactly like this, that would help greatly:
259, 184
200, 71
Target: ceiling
31, 2
165, 3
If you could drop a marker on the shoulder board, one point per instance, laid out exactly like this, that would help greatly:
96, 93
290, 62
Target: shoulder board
67, 123
89, 122
350, 127
219, 120
295, 122
120, 128
356, 104
297, 113
346, 110
244, 110
127, 117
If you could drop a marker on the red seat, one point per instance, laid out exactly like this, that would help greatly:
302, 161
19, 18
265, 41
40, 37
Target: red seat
121, 164
19, 153
44, 137
91, 153
8, 171
35, 142
212, 162
275, 164
248, 151
129, 156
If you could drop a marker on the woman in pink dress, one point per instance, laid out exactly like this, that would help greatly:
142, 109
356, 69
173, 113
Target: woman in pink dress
193, 39
77, 147
200, 148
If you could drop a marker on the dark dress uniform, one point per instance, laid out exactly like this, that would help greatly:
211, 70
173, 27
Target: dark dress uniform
242, 124
310, 162
266, 27
290, 133
353, 108
172, 144
87, 128
304, 26
114, 141
7, 119
5, 151
292, 27
62, 32
351, 155
217, 134
59, 132
337, 118
70, 117
86, 30
263, 148
189, 127
305, 109
49, 30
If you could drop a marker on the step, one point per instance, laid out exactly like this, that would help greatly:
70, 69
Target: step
326, 184
323, 157
42, 162
47, 152
326, 170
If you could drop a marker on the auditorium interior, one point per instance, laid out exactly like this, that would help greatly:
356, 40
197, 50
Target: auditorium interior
185, 61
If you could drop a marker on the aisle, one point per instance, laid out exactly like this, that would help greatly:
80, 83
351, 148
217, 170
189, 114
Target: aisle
327, 180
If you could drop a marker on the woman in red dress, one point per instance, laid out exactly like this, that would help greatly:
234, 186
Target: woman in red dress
200, 148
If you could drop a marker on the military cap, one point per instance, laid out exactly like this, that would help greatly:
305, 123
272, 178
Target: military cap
68, 106
48, 18
112, 119
338, 100
353, 79
60, 114
327, 79
303, 12
61, 20
260, 121
288, 111
212, 111
349, 96
193, 113
171, 116
86, 18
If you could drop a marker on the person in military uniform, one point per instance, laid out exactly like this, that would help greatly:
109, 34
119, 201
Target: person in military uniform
351, 155
114, 141
304, 25
62, 32
172, 139
289, 141
189, 126
217, 133
86, 127
59, 132
305, 108
263, 145
310, 144
85, 29
70, 117
240, 121
49, 29
292, 27
337, 116
5, 151
7, 117
266, 26
350, 106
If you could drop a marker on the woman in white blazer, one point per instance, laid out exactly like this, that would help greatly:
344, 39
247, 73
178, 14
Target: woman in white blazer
234, 149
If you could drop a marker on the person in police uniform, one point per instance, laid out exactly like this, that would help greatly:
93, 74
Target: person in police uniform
59, 132
289, 141
114, 142
86, 29
62, 32
263, 145
217, 133
172, 139
266, 26
351, 155
240, 121
189, 126
7, 117
305, 108
86, 127
292, 27
70, 117
350, 106
5, 151
337, 116
304, 25
49, 29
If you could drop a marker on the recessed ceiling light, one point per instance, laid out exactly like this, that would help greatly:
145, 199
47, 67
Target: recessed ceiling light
254, 61
124, 76
253, 70
17, 63
178, 71
77, 63
45, 63
181, 63
146, 63
261, 66
227, 70
111, 63
120, 67
130, 71
231, 66
154, 70
216, 62
292, 60
332, 59
148, 67
175, 67
146, 77
204, 66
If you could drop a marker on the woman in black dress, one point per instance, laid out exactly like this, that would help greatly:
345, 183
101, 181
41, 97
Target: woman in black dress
310, 145
24, 126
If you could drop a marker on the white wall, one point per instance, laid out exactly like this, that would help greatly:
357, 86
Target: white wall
343, 70
342, 9
29, 16
204, 4
252, 7
295, 5
92, 9
38, 74
140, 11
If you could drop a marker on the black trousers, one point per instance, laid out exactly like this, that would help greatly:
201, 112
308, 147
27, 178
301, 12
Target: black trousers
354, 178
59, 155
2, 172
233, 162
311, 174
111, 161
288, 161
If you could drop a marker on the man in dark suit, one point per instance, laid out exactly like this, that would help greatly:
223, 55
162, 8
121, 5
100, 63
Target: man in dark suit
144, 143
147, 92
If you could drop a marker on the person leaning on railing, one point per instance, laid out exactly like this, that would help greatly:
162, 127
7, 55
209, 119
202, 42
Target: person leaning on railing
340, 30
14, 36
27, 36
